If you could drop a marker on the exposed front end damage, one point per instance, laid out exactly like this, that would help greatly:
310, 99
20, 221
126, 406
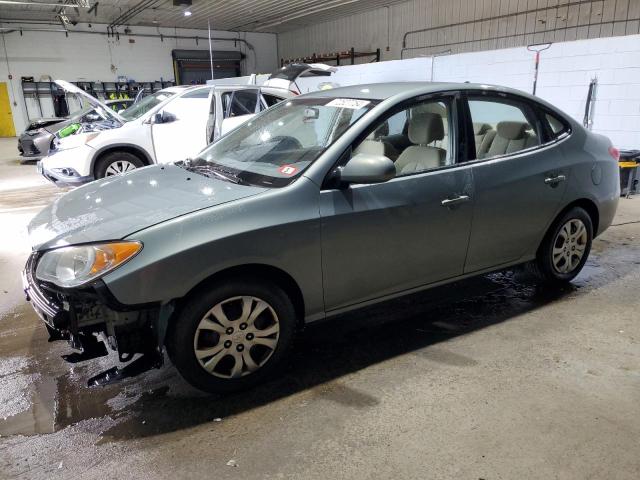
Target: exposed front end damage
93, 322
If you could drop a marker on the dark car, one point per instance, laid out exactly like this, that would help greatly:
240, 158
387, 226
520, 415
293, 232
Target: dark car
35, 142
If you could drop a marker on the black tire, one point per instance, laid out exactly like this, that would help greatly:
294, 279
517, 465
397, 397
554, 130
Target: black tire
543, 266
181, 337
111, 158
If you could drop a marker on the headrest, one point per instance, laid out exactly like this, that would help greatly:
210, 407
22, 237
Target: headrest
480, 128
425, 127
512, 130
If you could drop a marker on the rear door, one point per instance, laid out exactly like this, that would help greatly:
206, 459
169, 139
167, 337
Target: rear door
519, 177
183, 134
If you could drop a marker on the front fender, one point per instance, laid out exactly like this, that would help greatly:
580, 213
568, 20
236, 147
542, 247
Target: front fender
181, 253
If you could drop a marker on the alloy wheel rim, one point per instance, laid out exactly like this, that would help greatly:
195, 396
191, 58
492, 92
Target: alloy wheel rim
119, 167
236, 337
569, 246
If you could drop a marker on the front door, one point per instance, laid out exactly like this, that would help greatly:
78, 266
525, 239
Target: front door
519, 181
6, 116
184, 132
413, 230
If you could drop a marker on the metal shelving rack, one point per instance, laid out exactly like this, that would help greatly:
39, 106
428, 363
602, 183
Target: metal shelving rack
337, 57
103, 90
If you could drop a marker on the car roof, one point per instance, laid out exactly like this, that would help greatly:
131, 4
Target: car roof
250, 86
234, 87
176, 88
382, 91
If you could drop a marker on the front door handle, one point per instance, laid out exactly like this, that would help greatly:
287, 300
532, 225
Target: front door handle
450, 202
555, 180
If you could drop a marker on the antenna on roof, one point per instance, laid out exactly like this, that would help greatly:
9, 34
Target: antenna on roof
210, 49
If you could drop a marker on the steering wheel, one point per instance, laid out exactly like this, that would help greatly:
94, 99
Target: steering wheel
286, 142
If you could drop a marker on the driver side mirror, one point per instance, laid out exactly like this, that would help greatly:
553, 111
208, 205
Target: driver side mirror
367, 168
164, 117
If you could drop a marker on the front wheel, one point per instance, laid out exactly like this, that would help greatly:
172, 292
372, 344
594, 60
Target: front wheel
565, 249
117, 163
232, 336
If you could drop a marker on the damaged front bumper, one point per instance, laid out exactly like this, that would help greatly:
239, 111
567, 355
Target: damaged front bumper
94, 322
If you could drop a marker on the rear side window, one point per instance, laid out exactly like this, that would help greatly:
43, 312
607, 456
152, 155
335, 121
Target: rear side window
271, 100
557, 127
502, 126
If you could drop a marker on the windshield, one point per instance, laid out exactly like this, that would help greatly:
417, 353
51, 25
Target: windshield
276, 146
77, 115
144, 105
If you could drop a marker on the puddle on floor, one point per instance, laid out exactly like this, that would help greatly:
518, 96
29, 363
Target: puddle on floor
53, 404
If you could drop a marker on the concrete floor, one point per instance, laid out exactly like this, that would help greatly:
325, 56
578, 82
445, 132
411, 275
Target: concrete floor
490, 378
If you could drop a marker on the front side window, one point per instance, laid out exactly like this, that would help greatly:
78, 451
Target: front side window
275, 147
502, 126
416, 139
143, 106
243, 102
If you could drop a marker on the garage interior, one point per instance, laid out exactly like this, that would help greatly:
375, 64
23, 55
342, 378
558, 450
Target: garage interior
492, 377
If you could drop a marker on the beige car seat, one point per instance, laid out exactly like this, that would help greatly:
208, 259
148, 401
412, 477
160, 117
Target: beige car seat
483, 134
424, 128
375, 146
510, 137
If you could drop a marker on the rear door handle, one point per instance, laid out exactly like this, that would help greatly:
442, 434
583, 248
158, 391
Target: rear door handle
556, 179
449, 202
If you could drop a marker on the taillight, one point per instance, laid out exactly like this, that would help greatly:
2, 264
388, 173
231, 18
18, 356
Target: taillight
615, 153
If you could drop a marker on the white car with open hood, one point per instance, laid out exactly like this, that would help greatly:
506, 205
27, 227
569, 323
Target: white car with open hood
168, 126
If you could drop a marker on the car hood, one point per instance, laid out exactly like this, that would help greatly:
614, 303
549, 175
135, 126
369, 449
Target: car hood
93, 101
115, 207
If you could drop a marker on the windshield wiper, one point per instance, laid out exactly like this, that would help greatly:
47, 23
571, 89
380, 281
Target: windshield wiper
207, 169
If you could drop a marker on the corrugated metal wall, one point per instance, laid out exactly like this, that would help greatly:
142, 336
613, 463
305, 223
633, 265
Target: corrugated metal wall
463, 25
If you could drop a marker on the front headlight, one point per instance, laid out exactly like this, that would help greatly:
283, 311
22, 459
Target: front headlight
73, 141
73, 266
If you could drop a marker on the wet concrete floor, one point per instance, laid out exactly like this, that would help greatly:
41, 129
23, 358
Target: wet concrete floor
489, 378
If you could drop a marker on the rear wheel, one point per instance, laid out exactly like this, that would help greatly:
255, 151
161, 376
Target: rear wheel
117, 163
232, 336
566, 247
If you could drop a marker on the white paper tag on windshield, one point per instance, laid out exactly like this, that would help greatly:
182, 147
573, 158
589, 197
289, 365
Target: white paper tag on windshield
348, 103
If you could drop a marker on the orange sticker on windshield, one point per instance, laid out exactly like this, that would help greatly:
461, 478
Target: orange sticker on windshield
288, 170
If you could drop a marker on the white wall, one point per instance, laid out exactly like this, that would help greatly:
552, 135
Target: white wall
565, 72
463, 26
89, 57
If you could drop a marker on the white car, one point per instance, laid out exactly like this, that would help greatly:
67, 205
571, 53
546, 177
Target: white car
168, 126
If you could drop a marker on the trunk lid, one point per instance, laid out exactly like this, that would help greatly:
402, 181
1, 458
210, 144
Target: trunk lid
285, 77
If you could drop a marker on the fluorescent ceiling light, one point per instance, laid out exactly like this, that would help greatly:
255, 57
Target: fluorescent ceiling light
187, 13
